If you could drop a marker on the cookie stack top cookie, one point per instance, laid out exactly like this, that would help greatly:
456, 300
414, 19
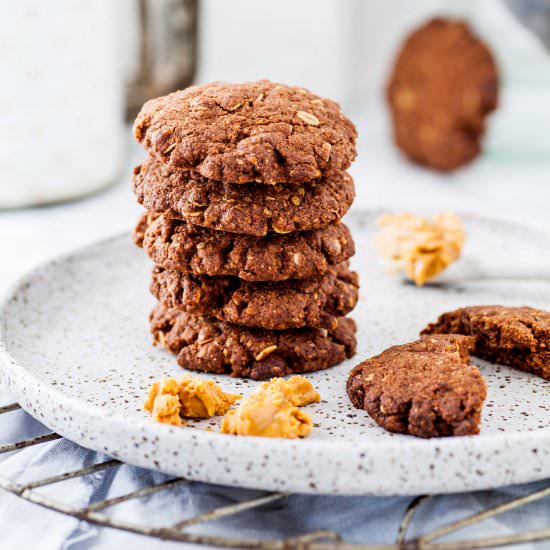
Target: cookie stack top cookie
245, 186
259, 132
214, 149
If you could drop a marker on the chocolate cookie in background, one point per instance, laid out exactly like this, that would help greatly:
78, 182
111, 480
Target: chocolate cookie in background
442, 87
245, 187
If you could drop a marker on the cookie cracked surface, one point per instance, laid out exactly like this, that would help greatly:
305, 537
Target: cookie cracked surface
181, 246
208, 345
425, 388
316, 302
250, 132
252, 209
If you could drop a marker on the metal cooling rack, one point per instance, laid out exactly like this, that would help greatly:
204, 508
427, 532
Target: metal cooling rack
316, 540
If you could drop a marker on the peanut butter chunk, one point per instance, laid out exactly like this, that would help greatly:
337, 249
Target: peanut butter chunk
271, 410
203, 398
303, 392
169, 400
167, 409
420, 247
162, 387
163, 402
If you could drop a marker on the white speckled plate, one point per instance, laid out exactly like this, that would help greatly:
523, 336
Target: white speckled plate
77, 355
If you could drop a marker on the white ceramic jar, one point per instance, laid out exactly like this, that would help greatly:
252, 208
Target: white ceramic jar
61, 99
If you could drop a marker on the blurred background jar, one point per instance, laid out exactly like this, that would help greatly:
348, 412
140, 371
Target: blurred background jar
71, 69
61, 100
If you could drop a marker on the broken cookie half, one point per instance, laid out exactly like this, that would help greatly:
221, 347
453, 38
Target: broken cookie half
425, 388
515, 336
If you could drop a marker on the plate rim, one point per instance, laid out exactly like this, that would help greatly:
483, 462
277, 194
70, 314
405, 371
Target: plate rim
20, 378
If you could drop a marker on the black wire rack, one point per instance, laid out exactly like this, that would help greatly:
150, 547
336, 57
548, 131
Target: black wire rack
315, 540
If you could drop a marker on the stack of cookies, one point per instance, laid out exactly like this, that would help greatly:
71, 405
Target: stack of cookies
245, 186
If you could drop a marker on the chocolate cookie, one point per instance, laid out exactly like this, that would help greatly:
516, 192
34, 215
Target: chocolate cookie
253, 209
179, 245
316, 302
443, 85
252, 132
425, 388
514, 336
208, 345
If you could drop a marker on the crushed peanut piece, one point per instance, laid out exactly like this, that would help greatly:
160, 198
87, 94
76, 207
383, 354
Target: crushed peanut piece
298, 258
326, 148
163, 387
302, 391
169, 400
418, 246
235, 106
279, 230
308, 118
265, 352
272, 410
166, 409
159, 338
203, 398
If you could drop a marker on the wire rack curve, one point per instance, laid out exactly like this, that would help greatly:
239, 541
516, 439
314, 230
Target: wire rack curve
315, 540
